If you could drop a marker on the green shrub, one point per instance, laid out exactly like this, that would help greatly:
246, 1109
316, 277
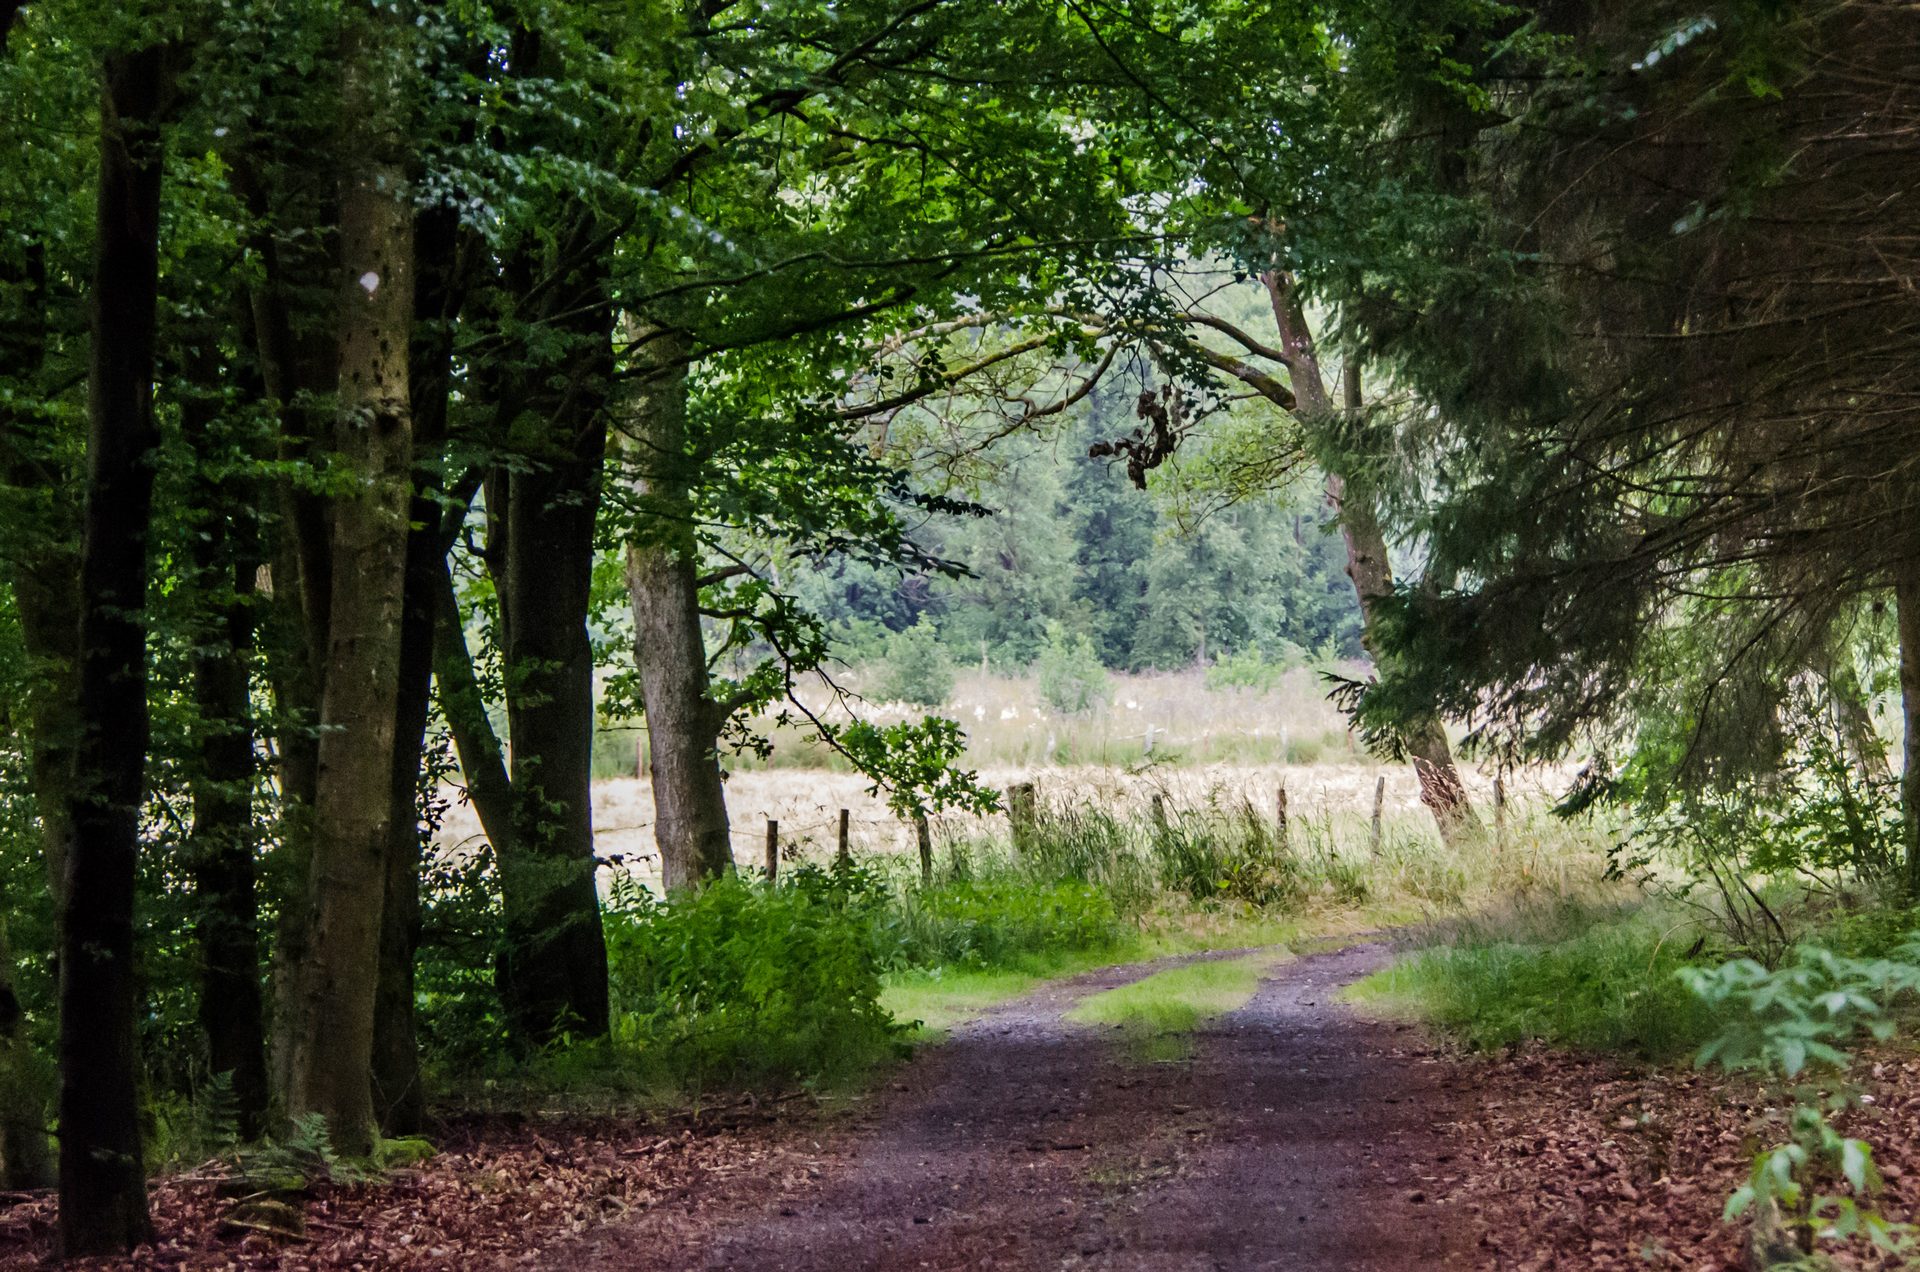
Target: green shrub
981, 924
1818, 1185
1210, 855
916, 668
1252, 670
1072, 680
743, 984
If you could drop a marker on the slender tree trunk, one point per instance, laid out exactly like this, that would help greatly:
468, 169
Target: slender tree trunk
556, 959
103, 1189
1425, 741
1853, 717
683, 721
1906, 596
223, 838
483, 764
298, 369
399, 1098
337, 987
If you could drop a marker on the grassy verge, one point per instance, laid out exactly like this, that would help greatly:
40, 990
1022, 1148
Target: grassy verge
1589, 974
1157, 1014
937, 998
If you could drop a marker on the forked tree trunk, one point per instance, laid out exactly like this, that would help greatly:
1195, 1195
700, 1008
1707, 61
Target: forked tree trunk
399, 1098
1368, 566
103, 1187
683, 721
332, 1045
554, 975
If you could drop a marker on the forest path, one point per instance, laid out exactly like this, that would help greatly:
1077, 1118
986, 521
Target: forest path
1298, 1134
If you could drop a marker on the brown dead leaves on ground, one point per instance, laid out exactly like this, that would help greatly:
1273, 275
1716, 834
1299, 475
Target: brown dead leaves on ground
497, 1195
1574, 1162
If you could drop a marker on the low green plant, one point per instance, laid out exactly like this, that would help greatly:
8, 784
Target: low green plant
743, 984
1819, 1185
1208, 854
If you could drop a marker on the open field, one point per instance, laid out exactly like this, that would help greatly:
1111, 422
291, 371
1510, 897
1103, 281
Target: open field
1008, 723
806, 803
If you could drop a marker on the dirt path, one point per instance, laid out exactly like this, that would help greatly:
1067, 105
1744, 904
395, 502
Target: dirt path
1298, 1135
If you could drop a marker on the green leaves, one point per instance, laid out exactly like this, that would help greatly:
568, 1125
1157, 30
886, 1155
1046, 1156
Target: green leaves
916, 763
1786, 1020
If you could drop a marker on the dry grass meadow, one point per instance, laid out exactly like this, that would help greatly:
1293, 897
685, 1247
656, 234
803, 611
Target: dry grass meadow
1212, 750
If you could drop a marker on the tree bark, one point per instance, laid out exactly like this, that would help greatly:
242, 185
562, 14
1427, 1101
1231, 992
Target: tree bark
1853, 717
1368, 566
1906, 598
332, 1050
483, 764
223, 839
298, 363
103, 1191
399, 1098
555, 968
683, 721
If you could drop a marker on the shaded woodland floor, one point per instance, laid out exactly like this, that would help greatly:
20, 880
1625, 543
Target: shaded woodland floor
1297, 1134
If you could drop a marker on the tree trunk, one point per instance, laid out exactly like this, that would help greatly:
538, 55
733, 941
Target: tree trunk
223, 838
1853, 717
1425, 741
555, 969
332, 1048
399, 1099
103, 1189
1906, 598
482, 763
683, 721
298, 369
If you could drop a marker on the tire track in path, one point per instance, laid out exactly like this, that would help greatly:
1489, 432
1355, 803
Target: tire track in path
1297, 1135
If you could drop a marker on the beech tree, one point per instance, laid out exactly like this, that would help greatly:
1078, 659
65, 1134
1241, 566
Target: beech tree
103, 1187
332, 1047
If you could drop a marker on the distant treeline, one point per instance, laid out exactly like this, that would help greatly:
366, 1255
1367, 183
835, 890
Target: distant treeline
1071, 542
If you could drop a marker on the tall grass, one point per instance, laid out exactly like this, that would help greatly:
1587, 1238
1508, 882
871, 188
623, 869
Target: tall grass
1583, 973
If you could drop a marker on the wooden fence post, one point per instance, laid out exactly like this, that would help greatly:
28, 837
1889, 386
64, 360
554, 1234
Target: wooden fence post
924, 834
1159, 813
1499, 811
1280, 816
845, 855
1379, 802
773, 849
1023, 802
